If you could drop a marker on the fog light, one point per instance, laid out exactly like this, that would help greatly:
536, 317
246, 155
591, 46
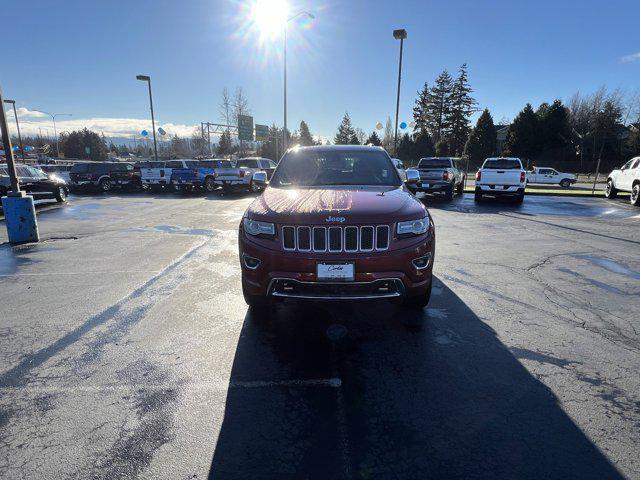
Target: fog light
250, 262
422, 262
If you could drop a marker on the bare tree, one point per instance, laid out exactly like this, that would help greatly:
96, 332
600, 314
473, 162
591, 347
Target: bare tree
240, 104
387, 139
225, 108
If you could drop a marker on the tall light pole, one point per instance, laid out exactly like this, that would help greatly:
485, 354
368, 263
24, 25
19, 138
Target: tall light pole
15, 114
400, 34
285, 142
147, 78
55, 131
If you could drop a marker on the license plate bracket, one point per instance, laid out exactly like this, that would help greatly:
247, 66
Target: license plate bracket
335, 271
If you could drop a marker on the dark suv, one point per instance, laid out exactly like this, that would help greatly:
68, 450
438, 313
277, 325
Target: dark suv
336, 223
102, 175
35, 182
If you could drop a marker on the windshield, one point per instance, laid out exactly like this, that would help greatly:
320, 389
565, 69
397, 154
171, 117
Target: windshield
434, 163
310, 168
502, 164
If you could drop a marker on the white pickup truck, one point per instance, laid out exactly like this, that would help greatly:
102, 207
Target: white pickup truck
550, 176
625, 179
501, 176
157, 175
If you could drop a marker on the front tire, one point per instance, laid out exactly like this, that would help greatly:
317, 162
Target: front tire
105, 185
635, 195
254, 188
565, 183
611, 191
210, 184
61, 195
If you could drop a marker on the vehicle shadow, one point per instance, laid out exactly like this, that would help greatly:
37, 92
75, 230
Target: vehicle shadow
367, 392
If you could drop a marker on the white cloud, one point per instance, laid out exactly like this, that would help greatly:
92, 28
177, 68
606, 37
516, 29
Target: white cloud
33, 122
26, 113
634, 57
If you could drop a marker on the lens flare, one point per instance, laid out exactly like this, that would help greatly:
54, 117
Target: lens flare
269, 17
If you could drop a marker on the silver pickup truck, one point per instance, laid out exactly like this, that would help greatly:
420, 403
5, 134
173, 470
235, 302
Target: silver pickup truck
240, 176
443, 175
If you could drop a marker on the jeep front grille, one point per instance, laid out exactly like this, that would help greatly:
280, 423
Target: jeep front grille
348, 239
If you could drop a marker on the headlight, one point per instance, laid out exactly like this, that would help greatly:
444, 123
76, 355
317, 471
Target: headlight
413, 227
253, 227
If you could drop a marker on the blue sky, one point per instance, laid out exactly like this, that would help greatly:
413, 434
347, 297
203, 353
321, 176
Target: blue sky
82, 57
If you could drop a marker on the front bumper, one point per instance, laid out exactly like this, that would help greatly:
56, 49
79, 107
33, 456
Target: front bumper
386, 274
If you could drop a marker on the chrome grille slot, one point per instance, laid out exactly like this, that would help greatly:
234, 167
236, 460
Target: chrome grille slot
304, 239
382, 237
350, 239
366, 239
289, 238
335, 239
319, 239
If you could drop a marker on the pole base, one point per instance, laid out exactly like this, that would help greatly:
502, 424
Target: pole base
20, 217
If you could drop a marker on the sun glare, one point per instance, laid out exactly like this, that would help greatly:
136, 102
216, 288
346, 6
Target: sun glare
269, 16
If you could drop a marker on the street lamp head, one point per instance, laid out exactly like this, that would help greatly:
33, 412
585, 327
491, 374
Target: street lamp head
400, 34
6, 100
144, 78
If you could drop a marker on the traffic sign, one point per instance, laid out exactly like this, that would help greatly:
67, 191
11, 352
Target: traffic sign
262, 133
245, 127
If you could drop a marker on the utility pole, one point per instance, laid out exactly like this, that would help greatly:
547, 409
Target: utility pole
15, 114
400, 34
19, 210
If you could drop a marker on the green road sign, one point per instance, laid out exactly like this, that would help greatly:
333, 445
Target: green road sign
245, 127
262, 132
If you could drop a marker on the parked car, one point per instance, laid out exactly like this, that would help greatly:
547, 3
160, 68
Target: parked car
59, 170
443, 175
101, 175
241, 175
625, 179
157, 175
502, 176
201, 174
400, 167
336, 223
35, 182
550, 176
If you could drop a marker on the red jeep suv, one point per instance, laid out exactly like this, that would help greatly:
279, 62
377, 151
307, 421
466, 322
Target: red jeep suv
336, 223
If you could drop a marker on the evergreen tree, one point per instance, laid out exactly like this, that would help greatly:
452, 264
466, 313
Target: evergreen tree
83, 144
420, 109
374, 139
523, 139
462, 106
555, 131
346, 134
423, 146
225, 146
437, 110
482, 141
406, 148
306, 139
633, 142
442, 148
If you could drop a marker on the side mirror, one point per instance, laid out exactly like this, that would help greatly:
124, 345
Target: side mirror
413, 176
260, 178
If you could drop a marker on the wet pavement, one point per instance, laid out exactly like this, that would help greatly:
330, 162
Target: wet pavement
126, 351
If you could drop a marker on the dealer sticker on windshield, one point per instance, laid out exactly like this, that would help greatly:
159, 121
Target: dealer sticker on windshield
335, 271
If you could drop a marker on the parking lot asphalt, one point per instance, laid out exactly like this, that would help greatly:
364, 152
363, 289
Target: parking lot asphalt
126, 351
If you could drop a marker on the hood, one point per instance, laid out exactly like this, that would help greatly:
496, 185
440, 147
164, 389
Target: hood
323, 206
